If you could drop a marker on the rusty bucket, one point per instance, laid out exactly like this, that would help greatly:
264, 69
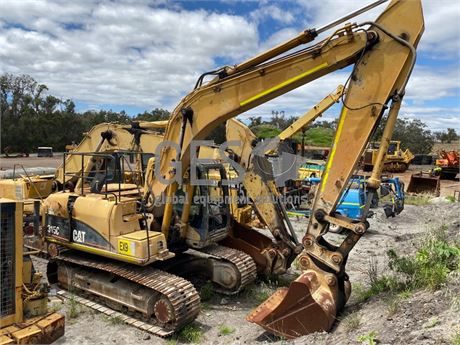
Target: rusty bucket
309, 305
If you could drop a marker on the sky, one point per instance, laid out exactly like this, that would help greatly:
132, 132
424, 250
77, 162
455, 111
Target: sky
137, 55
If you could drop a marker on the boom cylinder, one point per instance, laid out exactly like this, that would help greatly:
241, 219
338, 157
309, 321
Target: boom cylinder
374, 181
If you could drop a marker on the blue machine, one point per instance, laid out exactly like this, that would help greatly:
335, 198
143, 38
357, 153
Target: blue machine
354, 198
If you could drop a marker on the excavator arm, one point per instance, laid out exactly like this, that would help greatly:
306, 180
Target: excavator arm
378, 79
264, 194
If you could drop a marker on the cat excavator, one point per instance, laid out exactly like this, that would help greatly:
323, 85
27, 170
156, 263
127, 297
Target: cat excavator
115, 256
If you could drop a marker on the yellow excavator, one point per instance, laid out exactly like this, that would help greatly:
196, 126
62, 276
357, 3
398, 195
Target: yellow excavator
111, 253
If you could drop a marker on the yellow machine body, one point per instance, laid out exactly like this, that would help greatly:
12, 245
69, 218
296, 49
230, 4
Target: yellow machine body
396, 160
103, 226
24, 318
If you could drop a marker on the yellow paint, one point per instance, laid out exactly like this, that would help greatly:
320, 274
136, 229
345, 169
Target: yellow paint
334, 148
124, 247
283, 84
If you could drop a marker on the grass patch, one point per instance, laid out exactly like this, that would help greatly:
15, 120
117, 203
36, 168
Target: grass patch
431, 322
262, 292
436, 258
207, 291
54, 307
455, 337
351, 322
172, 341
257, 292
226, 330
73, 309
451, 198
393, 306
417, 200
191, 334
115, 320
381, 284
369, 338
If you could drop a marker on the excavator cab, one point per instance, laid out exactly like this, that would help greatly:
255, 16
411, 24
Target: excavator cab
209, 220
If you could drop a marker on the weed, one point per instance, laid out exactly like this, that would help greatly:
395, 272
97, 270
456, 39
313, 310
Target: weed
372, 270
393, 306
455, 303
205, 307
115, 320
191, 334
172, 341
226, 330
405, 294
296, 264
73, 308
259, 293
262, 293
430, 267
417, 200
369, 338
207, 291
451, 198
54, 307
351, 322
381, 284
432, 263
431, 322
359, 292
455, 337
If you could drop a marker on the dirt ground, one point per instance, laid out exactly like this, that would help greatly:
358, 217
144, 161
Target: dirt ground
422, 318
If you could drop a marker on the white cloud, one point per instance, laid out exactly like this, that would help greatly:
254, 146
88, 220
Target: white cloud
274, 12
441, 37
118, 53
130, 52
426, 84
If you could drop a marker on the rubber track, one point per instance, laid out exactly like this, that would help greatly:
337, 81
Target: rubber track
180, 292
243, 262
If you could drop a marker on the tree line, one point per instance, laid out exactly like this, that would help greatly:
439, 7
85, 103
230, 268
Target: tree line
413, 133
30, 117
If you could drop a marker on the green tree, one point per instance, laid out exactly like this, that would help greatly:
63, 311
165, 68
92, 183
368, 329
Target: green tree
412, 133
447, 136
156, 114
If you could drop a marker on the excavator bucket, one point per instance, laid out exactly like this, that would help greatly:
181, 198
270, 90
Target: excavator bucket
309, 305
424, 183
